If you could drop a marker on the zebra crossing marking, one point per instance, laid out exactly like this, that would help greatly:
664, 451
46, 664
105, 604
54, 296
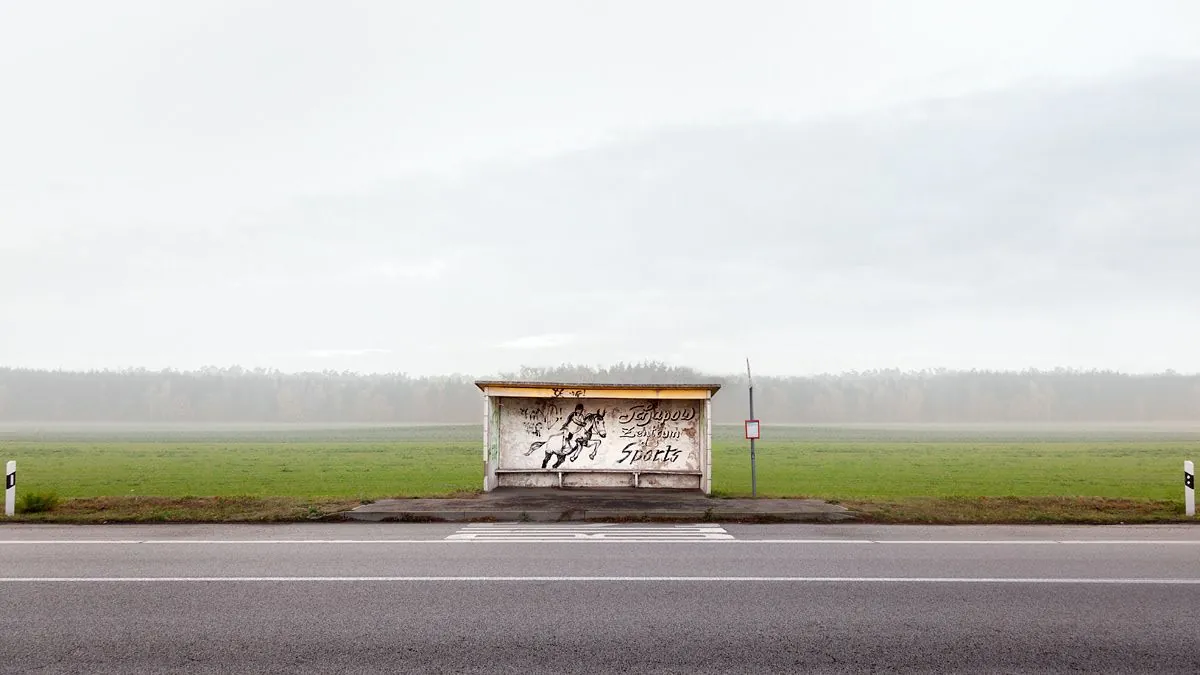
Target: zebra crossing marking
584, 532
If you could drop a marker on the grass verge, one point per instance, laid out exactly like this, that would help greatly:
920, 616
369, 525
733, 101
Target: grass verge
906, 511
188, 510
1017, 510
37, 502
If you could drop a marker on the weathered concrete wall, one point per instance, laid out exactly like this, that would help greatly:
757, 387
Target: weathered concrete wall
690, 482
607, 480
491, 443
527, 480
623, 435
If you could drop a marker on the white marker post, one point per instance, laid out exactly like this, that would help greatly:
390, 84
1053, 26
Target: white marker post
10, 489
1189, 488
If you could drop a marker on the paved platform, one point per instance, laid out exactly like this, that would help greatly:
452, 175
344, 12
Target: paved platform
598, 505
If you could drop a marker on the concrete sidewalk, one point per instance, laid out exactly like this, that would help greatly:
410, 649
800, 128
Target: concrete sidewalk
604, 505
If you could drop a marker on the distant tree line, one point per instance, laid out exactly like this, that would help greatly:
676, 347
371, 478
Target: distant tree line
884, 396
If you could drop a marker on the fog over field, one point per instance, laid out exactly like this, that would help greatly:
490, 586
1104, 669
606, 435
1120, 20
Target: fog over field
1062, 399
474, 187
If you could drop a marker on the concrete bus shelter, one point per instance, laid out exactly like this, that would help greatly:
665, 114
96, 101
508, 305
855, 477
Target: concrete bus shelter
551, 434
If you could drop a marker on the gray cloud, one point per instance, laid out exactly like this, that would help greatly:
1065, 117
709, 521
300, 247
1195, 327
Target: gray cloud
233, 198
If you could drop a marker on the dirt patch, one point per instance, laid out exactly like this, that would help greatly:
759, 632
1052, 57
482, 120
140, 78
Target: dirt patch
1017, 510
190, 510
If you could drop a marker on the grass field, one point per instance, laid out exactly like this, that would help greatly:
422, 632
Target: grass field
165, 469
339, 466
428, 461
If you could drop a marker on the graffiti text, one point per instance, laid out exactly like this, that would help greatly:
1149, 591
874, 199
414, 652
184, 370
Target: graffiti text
657, 432
644, 414
635, 454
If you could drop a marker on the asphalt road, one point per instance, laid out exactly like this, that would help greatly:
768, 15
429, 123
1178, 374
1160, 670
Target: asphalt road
435, 598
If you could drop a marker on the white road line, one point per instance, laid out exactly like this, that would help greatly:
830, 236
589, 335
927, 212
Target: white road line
504, 530
589, 532
622, 579
589, 526
1001, 542
598, 526
730, 540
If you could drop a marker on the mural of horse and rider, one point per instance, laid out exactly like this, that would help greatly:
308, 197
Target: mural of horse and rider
545, 434
580, 430
603, 434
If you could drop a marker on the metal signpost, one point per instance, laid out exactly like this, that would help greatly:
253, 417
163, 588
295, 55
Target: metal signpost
752, 423
753, 429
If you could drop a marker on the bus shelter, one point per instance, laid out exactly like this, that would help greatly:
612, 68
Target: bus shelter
548, 434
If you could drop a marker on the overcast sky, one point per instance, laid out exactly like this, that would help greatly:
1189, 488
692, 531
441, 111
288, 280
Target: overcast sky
471, 186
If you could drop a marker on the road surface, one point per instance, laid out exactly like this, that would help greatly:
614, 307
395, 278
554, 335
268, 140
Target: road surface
528, 598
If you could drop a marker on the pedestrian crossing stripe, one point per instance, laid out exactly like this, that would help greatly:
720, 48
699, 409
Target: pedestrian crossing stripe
603, 532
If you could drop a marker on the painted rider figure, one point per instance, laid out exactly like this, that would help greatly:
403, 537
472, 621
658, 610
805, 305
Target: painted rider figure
573, 425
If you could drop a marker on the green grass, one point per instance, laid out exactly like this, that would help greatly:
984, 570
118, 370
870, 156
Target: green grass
346, 470
1141, 470
417, 468
896, 474
36, 502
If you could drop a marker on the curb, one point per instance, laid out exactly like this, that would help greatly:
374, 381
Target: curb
595, 515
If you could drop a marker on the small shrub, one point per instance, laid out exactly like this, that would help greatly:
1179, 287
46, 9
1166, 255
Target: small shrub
36, 502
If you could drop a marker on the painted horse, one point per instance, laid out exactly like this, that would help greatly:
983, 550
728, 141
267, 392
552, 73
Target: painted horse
593, 424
